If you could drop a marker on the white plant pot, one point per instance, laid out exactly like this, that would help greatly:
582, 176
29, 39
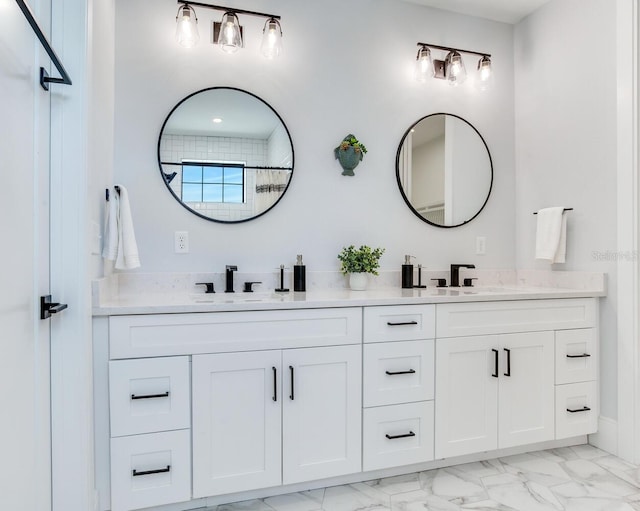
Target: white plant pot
358, 281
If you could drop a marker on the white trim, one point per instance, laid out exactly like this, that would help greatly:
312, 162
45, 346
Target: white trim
607, 436
628, 445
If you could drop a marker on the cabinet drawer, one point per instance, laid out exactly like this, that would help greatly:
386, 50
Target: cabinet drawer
576, 356
399, 323
149, 395
398, 372
219, 332
150, 470
397, 435
576, 397
463, 319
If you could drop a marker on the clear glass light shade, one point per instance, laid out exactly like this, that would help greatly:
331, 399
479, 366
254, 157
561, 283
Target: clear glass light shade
424, 65
485, 73
187, 26
271, 46
456, 73
230, 38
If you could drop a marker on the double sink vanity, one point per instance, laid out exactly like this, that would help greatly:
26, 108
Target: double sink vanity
202, 399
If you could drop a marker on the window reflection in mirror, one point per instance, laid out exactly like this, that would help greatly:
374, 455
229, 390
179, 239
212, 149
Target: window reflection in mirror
225, 155
444, 170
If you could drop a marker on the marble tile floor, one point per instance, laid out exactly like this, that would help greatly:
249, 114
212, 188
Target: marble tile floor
579, 478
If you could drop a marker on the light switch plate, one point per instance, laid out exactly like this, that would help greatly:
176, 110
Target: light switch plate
481, 245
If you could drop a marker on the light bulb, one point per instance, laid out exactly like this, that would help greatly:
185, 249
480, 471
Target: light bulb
230, 38
187, 26
456, 73
485, 73
424, 65
271, 46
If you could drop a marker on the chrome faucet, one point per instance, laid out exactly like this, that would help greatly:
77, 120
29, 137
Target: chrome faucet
455, 273
229, 269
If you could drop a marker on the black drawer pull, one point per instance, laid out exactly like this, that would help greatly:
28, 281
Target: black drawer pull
135, 473
393, 373
292, 396
275, 383
403, 323
583, 409
150, 396
495, 363
584, 355
393, 437
508, 373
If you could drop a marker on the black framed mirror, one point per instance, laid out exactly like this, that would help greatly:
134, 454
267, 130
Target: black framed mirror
444, 170
225, 154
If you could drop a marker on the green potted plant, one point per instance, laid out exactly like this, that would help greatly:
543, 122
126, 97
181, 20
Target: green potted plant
358, 262
349, 153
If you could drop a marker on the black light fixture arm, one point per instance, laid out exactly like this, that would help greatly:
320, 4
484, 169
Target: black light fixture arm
45, 79
229, 9
447, 48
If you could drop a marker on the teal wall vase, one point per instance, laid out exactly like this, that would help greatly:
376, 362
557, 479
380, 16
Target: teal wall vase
348, 158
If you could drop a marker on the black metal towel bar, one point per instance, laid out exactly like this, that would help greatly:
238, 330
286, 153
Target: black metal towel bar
106, 192
565, 209
45, 79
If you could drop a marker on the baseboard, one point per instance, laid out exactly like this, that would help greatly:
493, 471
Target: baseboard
607, 436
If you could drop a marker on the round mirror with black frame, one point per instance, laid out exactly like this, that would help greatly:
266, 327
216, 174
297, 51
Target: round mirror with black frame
444, 170
225, 154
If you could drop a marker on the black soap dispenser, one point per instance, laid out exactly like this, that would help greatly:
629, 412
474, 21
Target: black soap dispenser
299, 275
407, 273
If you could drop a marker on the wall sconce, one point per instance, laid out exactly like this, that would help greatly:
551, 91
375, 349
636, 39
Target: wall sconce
227, 33
452, 68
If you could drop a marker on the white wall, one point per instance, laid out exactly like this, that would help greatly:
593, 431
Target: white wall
355, 77
565, 101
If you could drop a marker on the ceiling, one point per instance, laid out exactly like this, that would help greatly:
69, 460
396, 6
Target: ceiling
506, 11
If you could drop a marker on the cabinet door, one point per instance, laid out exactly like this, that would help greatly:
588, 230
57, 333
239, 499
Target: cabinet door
322, 409
236, 422
526, 392
466, 395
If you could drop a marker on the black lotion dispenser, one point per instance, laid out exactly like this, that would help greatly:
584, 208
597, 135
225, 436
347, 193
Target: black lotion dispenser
299, 275
407, 273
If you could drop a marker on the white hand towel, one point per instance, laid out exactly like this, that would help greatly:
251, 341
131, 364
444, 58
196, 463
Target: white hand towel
127, 257
551, 237
110, 241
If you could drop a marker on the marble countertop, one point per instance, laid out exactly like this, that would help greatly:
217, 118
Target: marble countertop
107, 302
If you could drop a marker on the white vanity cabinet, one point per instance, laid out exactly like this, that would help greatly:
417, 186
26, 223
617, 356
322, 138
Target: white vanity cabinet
275, 417
498, 389
398, 385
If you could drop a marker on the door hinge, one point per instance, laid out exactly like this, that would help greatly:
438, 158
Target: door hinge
47, 307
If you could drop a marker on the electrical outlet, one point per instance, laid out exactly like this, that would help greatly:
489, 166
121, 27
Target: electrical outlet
481, 245
181, 242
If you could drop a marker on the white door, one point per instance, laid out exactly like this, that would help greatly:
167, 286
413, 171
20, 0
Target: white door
236, 422
467, 370
526, 392
322, 409
25, 473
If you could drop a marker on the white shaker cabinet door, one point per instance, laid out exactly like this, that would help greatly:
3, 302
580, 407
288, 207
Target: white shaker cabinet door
322, 409
466, 395
526, 392
236, 422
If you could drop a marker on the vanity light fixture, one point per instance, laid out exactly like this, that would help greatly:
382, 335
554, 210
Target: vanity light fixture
452, 67
227, 33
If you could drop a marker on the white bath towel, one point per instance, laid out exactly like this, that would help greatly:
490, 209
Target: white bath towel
551, 235
120, 239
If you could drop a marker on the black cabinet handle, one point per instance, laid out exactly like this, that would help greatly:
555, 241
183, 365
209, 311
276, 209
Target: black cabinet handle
403, 323
393, 437
275, 383
291, 396
393, 373
135, 473
583, 409
508, 373
495, 363
584, 355
150, 396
